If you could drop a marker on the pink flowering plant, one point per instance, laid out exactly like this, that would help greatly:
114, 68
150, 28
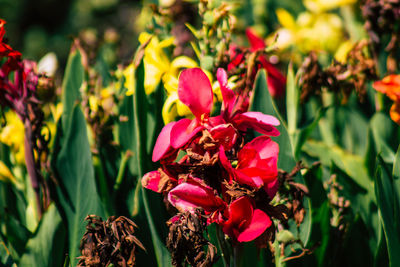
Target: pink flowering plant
220, 173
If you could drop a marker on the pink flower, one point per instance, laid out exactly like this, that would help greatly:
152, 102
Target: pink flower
256, 165
195, 91
245, 223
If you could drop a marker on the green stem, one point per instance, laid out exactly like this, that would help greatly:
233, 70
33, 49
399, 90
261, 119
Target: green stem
222, 245
122, 167
31, 166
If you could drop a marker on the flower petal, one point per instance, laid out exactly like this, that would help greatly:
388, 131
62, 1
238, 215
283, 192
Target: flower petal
258, 121
256, 42
228, 95
265, 147
163, 143
151, 181
191, 195
183, 131
275, 79
195, 91
259, 223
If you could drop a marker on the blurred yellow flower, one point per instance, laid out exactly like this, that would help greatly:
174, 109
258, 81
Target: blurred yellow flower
5, 174
310, 31
13, 136
325, 5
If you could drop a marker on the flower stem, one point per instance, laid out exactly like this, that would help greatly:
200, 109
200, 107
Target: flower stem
30, 165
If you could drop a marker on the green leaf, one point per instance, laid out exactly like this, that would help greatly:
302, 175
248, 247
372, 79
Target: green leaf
77, 194
262, 101
388, 204
46, 247
72, 82
383, 132
352, 165
320, 213
143, 159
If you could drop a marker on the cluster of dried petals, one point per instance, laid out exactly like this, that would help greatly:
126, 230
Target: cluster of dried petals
109, 243
340, 78
216, 156
390, 86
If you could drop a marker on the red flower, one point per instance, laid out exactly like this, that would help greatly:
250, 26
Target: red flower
256, 164
245, 222
195, 91
276, 81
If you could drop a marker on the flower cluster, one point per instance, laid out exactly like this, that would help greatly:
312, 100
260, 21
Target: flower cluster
14, 89
229, 179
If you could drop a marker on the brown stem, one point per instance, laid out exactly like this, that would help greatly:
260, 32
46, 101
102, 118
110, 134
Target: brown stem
30, 165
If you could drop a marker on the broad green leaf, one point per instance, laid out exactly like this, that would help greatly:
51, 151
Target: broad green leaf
127, 133
6, 259
320, 213
384, 131
262, 101
46, 247
388, 203
143, 159
351, 164
77, 194
72, 82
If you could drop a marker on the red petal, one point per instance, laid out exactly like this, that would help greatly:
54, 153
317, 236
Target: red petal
183, 131
195, 91
151, 180
265, 147
163, 143
189, 196
271, 188
255, 41
275, 79
228, 95
259, 223
225, 135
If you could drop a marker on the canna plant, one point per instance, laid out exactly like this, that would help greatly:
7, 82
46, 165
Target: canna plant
208, 148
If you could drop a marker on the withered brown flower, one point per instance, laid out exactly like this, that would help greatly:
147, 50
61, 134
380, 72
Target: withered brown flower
109, 242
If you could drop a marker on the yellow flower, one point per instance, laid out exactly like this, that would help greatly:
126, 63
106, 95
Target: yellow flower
13, 136
310, 31
325, 5
5, 174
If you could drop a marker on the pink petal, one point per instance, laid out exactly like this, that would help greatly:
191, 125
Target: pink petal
256, 42
259, 223
228, 95
265, 147
189, 196
151, 181
258, 121
163, 143
195, 91
183, 131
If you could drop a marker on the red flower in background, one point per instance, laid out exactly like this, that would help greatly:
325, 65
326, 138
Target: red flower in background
276, 80
390, 86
